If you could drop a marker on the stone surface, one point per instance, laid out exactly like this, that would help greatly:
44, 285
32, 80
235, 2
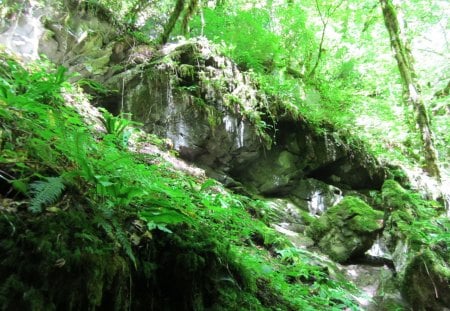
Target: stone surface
215, 116
22, 33
346, 230
379, 286
315, 196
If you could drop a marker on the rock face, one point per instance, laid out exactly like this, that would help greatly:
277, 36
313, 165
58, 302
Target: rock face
346, 230
217, 118
175, 101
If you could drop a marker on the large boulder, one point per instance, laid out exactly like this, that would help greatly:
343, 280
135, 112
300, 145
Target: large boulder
346, 230
199, 101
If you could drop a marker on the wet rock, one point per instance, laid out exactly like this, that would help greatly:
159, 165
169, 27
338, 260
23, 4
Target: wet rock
379, 286
288, 215
217, 118
21, 33
182, 98
275, 173
315, 196
346, 230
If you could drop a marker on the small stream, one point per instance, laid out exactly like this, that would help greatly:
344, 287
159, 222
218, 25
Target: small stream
376, 282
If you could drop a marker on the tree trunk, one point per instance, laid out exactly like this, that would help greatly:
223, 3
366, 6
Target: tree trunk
172, 21
411, 89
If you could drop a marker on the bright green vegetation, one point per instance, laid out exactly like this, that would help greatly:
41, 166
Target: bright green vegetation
86, 224
96, 218
421, 221
418, 224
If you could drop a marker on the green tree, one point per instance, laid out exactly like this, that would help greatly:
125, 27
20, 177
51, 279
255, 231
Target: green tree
411, 88
192, 6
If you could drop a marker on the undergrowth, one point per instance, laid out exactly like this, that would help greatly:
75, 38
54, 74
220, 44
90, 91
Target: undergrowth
85, 224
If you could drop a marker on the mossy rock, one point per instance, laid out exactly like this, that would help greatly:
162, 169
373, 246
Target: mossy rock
395, 197
426, 283
347, 229
404, 208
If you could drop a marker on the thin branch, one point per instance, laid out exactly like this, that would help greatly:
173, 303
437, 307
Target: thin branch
331, 10
433, 52
434, 285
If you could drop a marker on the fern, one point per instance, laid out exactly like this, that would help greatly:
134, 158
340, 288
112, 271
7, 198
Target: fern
114, 125
106, 220
45, 192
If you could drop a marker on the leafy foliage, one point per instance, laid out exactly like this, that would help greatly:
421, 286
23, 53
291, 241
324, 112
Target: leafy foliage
125, 221
132, 227
45, 192
116, 126
235, 31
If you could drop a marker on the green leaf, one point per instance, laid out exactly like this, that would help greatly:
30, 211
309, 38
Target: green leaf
45, 192
208, 184
20, 186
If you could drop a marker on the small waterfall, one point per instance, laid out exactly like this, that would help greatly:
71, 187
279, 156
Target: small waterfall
379, 248
236, 128
177, 130
321, 199
316, 204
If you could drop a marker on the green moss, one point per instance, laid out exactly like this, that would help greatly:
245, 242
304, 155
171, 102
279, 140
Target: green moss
347, 229
351, 212
186, 71
306, 217
318, 228
395, 197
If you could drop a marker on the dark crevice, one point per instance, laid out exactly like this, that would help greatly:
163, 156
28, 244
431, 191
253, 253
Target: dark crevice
374, 261
112, 103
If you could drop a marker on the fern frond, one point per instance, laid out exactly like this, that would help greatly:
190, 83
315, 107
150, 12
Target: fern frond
45, 192
124, 241
116, 233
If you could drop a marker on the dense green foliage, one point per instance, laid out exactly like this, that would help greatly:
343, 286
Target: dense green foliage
78, 210
86, 204
426, 231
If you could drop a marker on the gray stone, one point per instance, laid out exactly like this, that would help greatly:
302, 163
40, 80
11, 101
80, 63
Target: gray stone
315, 196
